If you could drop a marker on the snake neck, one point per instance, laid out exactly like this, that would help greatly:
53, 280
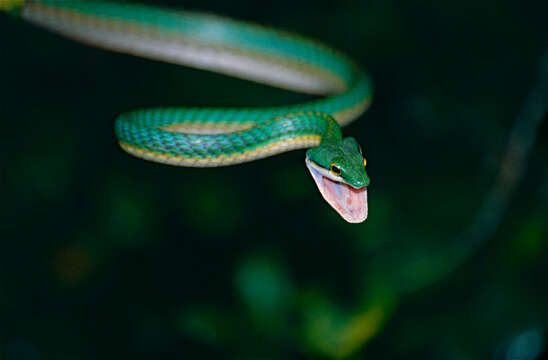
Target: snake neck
314, 123
146, 137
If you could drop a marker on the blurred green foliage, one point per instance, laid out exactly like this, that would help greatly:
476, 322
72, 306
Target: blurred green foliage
107, 256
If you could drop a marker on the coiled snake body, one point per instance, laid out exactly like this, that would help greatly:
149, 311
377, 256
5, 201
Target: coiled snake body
208, 137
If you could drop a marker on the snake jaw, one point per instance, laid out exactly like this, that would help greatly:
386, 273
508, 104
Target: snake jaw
349, 202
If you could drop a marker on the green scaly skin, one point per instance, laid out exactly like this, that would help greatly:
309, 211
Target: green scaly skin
346, 154
218, 137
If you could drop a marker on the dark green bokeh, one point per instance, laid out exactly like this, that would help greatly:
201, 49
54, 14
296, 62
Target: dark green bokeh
107, 256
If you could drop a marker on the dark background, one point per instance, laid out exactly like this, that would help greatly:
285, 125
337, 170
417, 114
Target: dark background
104, 256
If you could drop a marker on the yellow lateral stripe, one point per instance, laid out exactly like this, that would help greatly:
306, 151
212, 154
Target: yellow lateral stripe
260, 152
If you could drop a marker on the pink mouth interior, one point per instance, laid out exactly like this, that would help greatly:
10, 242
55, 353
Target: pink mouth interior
349, 202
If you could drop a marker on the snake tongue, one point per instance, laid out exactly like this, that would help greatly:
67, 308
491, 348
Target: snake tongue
349, 202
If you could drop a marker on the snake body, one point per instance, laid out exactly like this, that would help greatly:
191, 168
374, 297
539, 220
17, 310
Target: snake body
208, 137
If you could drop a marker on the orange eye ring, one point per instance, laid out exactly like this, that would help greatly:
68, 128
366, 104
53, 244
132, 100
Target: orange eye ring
364, 162
335, 170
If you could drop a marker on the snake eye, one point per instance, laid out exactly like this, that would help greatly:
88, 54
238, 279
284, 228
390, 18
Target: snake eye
364, 162
335, 170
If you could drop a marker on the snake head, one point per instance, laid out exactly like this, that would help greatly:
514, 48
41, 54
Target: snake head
338, 169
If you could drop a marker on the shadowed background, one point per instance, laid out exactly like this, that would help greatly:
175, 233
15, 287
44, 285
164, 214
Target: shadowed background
107, 256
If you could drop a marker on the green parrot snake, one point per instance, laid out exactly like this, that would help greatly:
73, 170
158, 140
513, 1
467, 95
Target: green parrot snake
209, 137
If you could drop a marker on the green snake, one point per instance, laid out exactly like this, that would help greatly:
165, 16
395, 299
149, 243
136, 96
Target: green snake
209, 137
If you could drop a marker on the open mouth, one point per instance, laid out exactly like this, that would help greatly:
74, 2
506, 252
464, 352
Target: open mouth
349, 202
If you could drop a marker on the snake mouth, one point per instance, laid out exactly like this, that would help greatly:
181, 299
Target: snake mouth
348, 201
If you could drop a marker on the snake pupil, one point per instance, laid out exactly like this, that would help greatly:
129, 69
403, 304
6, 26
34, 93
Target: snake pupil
335, 169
